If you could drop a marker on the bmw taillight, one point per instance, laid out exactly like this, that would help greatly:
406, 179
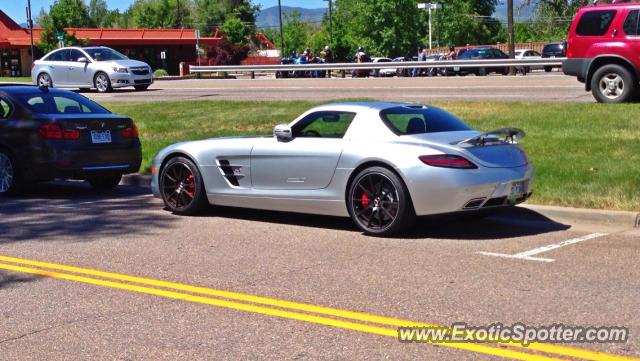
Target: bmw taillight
55, 131
447, 161
131, 132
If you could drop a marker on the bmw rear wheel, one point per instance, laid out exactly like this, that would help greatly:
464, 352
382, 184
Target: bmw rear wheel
379, 202
8, 178
181, 187
44, 80
102, 83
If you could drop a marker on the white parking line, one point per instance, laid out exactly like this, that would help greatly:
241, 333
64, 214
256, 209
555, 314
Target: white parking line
79, 204
527, 255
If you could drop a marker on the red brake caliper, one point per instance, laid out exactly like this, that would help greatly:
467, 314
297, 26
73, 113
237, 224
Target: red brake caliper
365, 200
191, 185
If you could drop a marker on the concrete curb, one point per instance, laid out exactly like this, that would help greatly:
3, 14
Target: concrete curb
587, 216
139, 180
564, 215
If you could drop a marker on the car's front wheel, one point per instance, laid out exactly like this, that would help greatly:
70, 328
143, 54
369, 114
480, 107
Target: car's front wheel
8, 174
613, 84
181, 187
102, 83
44, 80
104, 182
379, 202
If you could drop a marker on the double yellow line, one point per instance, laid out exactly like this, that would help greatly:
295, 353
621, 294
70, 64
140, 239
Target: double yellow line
286, 309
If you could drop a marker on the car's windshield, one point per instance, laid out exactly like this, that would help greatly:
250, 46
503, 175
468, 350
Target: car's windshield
104, 54
406, 120
57, 103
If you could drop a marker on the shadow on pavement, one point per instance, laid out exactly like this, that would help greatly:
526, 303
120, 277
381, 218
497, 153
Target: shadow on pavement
72, 211
8, 279
507, 223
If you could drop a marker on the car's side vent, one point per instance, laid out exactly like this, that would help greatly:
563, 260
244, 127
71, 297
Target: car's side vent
228, 172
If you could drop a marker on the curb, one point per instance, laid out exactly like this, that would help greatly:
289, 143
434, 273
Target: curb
590, 216
558, 214
138, 180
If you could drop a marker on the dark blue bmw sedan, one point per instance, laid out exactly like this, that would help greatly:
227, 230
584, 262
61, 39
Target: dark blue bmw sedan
48, 134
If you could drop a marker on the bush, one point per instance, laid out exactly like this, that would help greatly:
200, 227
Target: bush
226, 53
160, 73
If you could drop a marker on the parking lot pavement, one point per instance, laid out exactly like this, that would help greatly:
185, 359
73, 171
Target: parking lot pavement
535, 87
263, 278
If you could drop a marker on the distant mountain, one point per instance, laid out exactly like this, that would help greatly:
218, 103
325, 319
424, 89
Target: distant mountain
269, 17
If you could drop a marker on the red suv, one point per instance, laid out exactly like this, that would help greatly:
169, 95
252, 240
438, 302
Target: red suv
603, 51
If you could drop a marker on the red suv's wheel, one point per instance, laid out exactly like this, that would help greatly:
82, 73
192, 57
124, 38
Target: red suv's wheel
613, 84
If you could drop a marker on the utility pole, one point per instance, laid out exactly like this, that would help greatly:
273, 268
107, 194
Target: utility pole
429, 7
512, 45
30, 24
179, 11
331, 23
281, 33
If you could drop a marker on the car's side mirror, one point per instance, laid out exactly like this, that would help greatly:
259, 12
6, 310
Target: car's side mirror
283, 132
83, 60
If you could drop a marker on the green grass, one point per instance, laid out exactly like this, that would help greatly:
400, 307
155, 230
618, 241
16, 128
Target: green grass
17, 79
585, 155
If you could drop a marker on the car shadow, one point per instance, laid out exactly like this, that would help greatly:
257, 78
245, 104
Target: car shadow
74, 212
507, 223
8, 279
116, 91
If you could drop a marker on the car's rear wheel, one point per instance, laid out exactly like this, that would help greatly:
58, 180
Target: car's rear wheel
102, 83
548, 69
141, 87
482, 72
181, 187
613, 84
379, 202
104, 182
44, 80
8, 174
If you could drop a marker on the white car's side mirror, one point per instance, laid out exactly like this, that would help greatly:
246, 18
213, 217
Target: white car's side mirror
82, 60
283, 132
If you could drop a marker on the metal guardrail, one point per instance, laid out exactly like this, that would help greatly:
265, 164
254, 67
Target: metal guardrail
194, 69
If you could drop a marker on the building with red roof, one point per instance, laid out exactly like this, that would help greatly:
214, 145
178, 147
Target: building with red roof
149, 45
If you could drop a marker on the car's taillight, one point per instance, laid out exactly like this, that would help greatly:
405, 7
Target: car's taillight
447, 161
55, 131
131, 132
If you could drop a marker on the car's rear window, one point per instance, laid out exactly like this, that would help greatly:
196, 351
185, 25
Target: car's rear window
595, 23
631, 24
52, 103
407, 120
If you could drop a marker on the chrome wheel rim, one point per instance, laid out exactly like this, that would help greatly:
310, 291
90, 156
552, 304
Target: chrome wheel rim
102, 83
44, 80
178, 186
611, 86
375, 202
6, 173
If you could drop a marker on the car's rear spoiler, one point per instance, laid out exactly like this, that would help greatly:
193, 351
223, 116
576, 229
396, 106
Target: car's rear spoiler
494, 137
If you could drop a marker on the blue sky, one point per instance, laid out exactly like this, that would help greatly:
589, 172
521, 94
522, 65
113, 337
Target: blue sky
16, 8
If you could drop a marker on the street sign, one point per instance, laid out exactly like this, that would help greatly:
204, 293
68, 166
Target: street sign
163, 55
430, 6
197, 34
60, 35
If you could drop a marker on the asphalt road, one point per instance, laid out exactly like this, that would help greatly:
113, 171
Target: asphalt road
436, 274
534, 87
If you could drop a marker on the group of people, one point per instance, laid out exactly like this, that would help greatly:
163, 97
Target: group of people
422, 56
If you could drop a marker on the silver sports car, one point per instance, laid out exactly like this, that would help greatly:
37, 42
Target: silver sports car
379, 163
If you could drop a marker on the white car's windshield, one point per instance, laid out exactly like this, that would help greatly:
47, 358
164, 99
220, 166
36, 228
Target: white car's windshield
104, 54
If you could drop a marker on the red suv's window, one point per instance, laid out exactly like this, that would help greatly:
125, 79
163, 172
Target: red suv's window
630, 26
595, 23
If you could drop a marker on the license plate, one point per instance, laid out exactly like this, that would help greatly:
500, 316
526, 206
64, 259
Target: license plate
456, 68
518, 188
100, 136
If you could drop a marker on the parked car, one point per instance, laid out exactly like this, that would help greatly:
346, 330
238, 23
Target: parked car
53, 133
554, 50
603, 51
379, 163
96, 67
480, 54
297, 60
529, 54
383, 71
404, 72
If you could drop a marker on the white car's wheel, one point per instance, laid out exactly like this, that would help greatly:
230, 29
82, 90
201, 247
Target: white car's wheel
102, 83
44, 80
181, 187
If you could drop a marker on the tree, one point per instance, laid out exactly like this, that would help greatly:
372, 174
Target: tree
158, 14
98, 13
235, 31
296, 33
63, 14
213, 13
